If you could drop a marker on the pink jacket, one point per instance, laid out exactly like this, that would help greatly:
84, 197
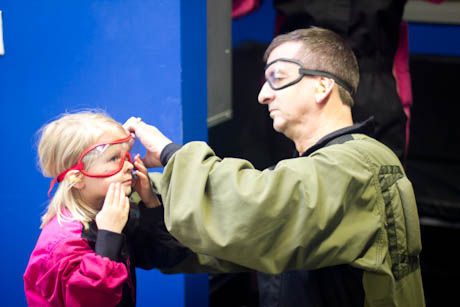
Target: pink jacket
64, 270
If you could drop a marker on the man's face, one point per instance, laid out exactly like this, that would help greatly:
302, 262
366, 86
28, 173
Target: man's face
289, 106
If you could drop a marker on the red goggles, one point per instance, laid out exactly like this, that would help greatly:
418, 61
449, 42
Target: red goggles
101, 160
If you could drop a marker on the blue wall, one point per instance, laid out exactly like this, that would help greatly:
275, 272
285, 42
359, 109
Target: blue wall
123, 56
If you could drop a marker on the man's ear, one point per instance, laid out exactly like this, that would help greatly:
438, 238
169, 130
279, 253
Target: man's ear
76, 179
323, 89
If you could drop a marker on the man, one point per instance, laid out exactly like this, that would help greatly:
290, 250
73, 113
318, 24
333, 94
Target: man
372, 29
338, 224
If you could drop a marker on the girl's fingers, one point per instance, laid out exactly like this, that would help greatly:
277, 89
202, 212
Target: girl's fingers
143, 183
116, 194
126, 204
122, 197
139, 164
110, 194
134, 181
141, 175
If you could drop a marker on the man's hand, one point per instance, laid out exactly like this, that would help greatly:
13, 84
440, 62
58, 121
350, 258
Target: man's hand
114, 213
142, 184
152, 139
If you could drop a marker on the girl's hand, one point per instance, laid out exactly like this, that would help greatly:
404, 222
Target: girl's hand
114, 213
142, 184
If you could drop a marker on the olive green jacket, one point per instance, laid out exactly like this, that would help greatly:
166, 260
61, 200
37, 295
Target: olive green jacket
347, 203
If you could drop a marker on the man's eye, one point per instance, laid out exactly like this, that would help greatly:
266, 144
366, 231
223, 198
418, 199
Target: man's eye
114, 158
272, 75
278, 75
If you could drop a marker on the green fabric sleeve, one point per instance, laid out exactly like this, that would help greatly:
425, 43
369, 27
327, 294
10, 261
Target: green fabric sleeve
156, 248
307, 213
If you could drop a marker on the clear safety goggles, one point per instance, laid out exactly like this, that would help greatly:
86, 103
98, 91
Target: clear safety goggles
282, 73
103, 159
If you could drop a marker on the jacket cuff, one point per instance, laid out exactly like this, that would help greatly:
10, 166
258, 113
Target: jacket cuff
108, 244
151, 214
168, 152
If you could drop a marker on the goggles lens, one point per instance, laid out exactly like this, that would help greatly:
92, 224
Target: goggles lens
104, 160
281, 73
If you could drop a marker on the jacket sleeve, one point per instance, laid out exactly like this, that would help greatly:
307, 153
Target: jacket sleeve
77, 276
155, 247
307, 213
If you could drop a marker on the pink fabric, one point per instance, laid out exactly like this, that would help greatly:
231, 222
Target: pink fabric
401, 73
63, 270
401, 67
243, 7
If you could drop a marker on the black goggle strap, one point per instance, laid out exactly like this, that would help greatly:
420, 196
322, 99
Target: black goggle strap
319, 73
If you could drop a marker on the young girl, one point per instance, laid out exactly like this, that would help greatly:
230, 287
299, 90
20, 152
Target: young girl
91, 240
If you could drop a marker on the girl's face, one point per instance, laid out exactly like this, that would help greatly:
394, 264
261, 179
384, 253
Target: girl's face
104, 160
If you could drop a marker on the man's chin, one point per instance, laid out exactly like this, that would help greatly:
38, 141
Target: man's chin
277, 127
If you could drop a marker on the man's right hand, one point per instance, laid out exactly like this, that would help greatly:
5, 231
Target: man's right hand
152, 139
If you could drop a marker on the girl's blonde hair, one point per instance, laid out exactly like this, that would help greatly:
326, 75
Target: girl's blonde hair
61, 142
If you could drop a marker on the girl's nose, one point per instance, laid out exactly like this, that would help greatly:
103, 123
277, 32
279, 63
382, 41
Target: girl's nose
128, 164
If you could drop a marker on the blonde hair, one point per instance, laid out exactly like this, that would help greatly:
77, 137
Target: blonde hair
61, 142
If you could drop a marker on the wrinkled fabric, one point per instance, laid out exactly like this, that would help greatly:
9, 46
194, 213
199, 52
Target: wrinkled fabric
345, 204
64, 270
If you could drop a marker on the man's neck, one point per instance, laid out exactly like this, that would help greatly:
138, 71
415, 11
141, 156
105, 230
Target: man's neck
318, 129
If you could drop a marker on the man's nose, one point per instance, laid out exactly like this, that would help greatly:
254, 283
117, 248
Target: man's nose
266, 94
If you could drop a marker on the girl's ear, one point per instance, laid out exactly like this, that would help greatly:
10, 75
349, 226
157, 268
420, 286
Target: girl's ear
75, 179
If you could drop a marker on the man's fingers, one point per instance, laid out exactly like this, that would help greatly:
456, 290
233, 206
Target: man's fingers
130, 123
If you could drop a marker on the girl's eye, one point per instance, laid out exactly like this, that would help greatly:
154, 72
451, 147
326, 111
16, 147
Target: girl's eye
114, 159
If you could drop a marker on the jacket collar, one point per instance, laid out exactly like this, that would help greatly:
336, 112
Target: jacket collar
366, 127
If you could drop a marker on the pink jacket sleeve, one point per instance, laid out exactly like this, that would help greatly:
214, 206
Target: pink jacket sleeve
74, 275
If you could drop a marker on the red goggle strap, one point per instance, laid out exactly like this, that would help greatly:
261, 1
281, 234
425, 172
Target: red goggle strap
79, 166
